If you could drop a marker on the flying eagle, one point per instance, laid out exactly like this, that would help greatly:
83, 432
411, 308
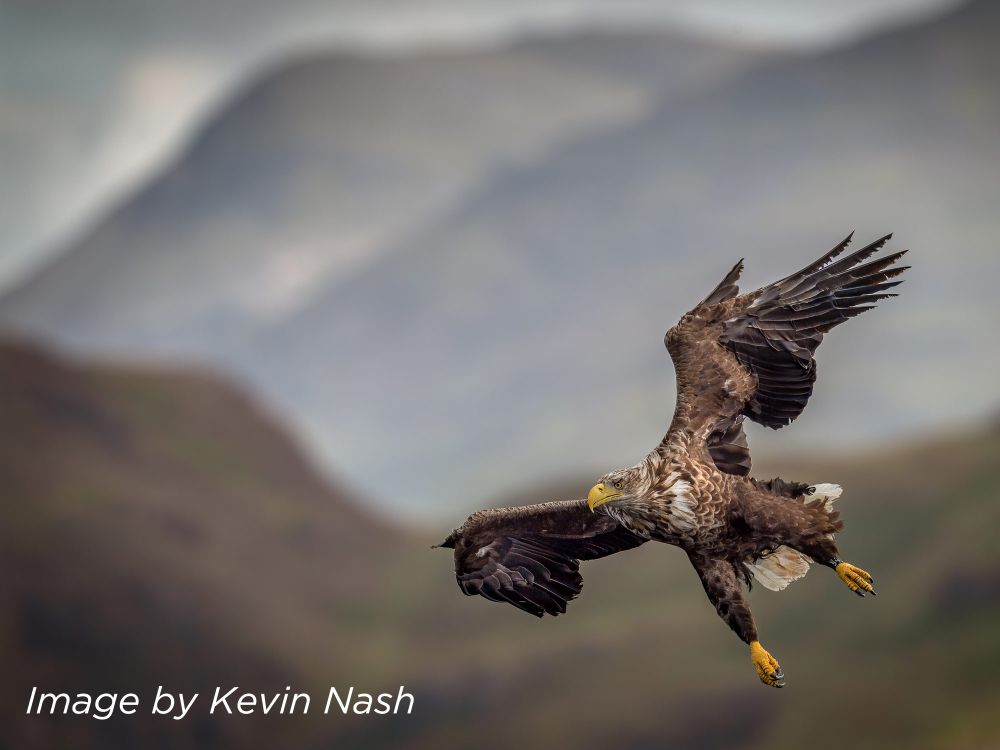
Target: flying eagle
736, 356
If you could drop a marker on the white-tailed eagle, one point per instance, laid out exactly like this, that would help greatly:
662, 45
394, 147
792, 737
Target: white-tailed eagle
737, 356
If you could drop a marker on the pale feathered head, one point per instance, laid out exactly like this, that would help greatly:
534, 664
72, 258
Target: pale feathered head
615, 485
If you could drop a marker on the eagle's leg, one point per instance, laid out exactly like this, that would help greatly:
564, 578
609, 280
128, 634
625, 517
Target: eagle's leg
807, 527
822, 549
722, 584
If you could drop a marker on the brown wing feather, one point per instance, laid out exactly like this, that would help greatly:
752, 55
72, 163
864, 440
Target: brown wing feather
752, 355
530, 556
777, 331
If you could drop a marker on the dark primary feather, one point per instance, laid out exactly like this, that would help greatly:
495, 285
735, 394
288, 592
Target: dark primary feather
777, 333
727, 288
530, 556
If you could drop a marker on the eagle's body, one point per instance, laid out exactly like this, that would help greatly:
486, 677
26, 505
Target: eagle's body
736, 356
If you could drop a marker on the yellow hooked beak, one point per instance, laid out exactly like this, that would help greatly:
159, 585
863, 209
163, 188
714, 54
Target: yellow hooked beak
600, 494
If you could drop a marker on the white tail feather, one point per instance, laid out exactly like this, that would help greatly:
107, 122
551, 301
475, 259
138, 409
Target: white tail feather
784, 565
826, 492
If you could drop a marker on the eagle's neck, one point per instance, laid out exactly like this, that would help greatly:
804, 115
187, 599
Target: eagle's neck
682, 439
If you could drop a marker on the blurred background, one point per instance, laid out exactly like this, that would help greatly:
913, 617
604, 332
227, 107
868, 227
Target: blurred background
289, 288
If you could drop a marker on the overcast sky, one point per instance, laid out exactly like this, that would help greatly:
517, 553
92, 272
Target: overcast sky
96, 95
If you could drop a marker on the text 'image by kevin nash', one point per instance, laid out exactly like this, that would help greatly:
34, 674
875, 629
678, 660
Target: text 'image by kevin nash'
177, 706
290, 288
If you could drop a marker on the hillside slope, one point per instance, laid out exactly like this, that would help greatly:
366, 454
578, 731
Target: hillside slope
641, 660
161, 531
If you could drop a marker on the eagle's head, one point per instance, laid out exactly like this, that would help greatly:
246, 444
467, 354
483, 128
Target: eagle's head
624, 483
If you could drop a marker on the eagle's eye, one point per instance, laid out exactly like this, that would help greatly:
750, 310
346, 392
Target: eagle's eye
618, 484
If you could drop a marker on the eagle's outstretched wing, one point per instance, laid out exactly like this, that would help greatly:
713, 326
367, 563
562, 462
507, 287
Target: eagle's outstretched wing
530, 556
751, 355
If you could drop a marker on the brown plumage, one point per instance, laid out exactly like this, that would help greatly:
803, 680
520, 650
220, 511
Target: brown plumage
736, 356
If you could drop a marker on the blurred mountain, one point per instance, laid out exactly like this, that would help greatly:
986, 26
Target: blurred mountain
162, 531
465, 317
98, 96
310, 174
518, 336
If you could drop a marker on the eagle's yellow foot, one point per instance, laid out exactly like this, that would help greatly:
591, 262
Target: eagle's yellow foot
767, 666
857, 580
